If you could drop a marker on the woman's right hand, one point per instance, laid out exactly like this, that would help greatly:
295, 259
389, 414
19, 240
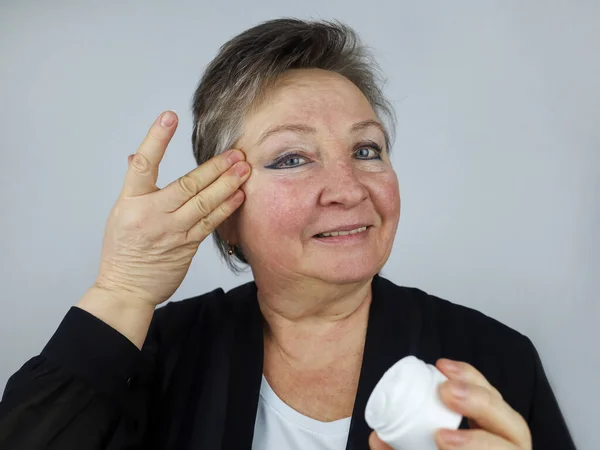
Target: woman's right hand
152, 234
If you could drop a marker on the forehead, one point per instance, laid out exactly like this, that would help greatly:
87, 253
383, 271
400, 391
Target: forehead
316, 97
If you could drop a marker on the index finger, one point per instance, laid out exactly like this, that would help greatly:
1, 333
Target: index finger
178, 192
458, 370
142, 173
487, 410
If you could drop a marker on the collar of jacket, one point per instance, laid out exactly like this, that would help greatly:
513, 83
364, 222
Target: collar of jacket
394, 331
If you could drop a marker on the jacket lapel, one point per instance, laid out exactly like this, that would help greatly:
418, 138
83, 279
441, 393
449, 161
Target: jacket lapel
393, 332
245, 371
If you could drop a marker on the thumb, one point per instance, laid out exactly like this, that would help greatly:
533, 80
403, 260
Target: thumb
142, 172
377, 444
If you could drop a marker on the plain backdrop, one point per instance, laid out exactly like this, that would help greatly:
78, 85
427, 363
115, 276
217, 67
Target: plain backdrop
498, 155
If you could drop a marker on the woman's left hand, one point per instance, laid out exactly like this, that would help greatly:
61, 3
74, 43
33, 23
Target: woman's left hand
494, 424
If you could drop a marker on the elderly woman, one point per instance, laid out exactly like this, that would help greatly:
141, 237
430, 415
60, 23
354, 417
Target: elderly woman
292, 136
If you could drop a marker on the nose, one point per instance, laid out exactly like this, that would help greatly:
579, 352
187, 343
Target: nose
342, 186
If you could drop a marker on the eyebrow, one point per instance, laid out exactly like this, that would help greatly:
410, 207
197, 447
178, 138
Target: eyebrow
305, 129
359, 126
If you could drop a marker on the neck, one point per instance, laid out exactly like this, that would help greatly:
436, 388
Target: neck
310, 322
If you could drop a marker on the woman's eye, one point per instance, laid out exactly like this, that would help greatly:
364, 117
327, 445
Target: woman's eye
292, 161
368, 153
288, 162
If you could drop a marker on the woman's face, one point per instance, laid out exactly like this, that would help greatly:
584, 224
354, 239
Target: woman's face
319, 164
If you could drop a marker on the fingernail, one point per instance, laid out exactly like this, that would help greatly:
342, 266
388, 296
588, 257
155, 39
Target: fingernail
452, 437
242, 169
459, 389
451, 367
167, 119
234, 156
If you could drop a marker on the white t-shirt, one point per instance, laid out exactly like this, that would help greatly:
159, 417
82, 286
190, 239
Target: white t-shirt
279, 427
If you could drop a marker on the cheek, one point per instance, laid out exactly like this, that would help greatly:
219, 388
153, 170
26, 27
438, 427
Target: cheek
385, 192
279, 206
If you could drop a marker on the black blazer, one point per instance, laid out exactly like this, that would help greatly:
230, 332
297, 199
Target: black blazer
195, 384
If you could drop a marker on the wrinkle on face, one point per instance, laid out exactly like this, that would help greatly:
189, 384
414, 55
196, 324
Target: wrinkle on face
285, 207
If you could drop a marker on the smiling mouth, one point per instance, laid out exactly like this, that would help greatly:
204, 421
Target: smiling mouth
342, 233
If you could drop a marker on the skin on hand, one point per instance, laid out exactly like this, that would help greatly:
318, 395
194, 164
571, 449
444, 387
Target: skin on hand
494, 424
152, 234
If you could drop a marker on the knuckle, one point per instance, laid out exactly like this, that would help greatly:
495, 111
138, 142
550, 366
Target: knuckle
497, 393
218, 167
481, 399
464, 366
488, 400
225, 208
188, 186
202, 205
206, 225
140, 164
156, 136
471, 371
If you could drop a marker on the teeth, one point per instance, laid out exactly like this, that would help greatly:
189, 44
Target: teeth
344, 233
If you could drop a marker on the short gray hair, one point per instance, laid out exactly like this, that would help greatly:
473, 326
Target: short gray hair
249, 64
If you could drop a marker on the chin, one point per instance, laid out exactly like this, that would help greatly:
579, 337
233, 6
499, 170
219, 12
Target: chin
344, 272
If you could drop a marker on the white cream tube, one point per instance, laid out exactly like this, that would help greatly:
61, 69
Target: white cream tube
405, 409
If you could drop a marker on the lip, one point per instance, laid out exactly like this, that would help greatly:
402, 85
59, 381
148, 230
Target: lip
344, 228
346, 240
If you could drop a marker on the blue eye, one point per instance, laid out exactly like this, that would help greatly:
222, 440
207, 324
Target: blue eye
371, 151
366, 151
288, 161
292, 161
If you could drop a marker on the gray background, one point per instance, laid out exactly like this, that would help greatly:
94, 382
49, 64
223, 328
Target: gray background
498, 155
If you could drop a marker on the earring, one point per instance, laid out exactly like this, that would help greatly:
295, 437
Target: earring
230, 248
